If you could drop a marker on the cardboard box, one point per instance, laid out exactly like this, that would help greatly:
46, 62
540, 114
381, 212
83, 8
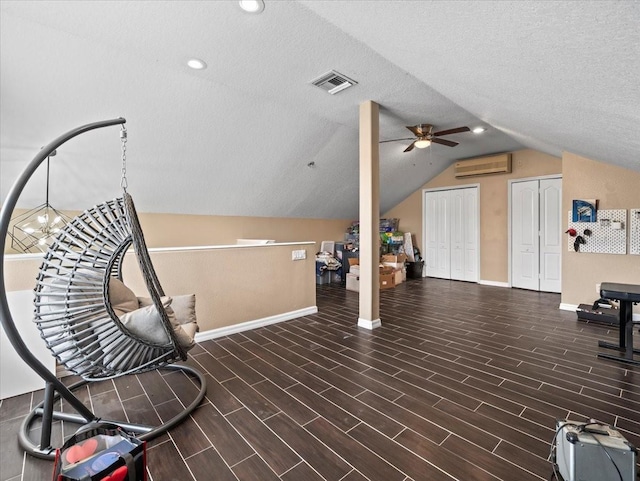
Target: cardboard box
354, 261
353, 282
387, 281
399, 276
385, 270
395, 265
395, 258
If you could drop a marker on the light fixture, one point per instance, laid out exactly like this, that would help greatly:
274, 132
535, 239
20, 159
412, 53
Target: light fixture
479, 130
36, 229
422, 143
252, 6
197, 64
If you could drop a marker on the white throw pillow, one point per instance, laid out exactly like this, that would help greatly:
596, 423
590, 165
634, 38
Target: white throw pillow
146, 323
184, 307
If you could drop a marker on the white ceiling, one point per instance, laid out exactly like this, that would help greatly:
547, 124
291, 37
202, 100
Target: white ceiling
237, 138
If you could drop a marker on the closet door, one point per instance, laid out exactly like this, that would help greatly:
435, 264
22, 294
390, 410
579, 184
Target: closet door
437, 234
536, 234
457, 234
471, 245
464, 234
451, 233
524, 235
550, 235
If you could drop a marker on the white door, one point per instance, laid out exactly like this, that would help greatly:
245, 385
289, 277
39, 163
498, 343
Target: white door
524, 232
550, 234
456, 198
471, 235
464, 234
536, 234
451, 233
437, 230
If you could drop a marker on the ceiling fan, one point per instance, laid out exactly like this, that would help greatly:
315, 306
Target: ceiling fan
425, 136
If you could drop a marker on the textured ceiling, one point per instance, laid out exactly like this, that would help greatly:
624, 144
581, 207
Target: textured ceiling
237, 138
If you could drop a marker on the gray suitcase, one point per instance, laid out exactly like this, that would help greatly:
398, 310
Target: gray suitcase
593, 452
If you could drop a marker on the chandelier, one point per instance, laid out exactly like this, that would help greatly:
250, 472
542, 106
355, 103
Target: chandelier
35, 230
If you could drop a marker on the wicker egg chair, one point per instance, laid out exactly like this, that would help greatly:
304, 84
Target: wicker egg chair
90, 333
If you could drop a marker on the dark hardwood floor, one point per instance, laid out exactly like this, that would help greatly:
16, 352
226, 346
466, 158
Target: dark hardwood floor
462, 381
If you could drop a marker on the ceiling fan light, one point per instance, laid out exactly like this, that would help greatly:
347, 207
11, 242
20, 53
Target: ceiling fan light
252, 6
479, 130
196, 64
422, 143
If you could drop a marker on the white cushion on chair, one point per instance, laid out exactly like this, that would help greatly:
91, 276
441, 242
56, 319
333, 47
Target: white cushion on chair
146, 323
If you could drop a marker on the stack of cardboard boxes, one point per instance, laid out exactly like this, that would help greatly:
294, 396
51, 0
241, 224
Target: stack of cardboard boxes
392, 272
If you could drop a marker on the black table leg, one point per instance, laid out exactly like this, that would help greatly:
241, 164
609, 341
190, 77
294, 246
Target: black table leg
625, 335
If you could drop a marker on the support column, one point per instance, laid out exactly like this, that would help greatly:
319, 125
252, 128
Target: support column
369, 315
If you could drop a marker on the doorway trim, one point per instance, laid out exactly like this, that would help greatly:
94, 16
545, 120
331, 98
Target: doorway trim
424, 224
509, 185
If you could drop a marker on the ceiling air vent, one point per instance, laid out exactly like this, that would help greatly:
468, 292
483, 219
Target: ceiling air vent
333, 82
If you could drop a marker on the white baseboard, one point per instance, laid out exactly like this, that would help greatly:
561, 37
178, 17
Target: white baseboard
367, 324
494, 283
574, 307
568, 307
246, 326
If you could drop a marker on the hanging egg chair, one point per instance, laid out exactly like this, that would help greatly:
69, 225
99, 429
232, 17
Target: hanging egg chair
93, 324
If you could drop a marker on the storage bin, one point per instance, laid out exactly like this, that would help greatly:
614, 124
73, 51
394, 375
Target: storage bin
414, 269
324, 278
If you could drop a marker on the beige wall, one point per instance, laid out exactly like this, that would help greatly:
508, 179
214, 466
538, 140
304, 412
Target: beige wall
614, 188
494, 234
175, 230
232, 285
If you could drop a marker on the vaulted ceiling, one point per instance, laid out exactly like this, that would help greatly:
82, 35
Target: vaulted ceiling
249, 135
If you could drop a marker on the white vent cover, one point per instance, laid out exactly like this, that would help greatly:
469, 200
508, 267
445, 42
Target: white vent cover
333, 82
483, 165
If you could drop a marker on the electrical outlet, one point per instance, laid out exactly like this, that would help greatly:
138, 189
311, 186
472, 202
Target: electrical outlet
298, 255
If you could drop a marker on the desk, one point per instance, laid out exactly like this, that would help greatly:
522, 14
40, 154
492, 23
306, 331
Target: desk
627, 294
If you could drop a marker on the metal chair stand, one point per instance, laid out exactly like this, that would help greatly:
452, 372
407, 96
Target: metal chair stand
74, 315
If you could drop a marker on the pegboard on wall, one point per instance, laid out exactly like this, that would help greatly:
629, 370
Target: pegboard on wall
604, 239
634, 231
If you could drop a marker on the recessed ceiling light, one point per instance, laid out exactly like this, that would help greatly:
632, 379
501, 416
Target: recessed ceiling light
197, 64
252, 6
479, 130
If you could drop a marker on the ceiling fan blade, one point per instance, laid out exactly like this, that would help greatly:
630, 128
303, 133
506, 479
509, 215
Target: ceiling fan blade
452, 131
395, 140
410, 148
448, 143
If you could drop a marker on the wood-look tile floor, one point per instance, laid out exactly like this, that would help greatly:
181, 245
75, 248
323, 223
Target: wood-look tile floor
462, 381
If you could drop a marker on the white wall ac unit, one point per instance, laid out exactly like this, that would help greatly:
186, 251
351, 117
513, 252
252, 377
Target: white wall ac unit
495, 164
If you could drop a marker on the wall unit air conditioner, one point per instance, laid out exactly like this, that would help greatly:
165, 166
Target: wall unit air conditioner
495, 164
